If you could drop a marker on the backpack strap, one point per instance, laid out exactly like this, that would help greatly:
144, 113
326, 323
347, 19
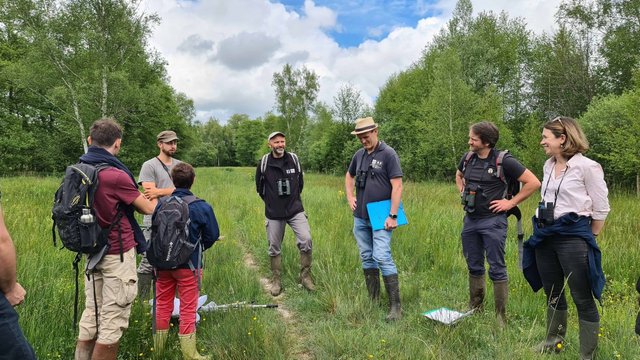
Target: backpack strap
265, 159
499, 168
155, 297
467, 158
189, 199
296, 162
263, 168
75, 304
165, 168
263, 164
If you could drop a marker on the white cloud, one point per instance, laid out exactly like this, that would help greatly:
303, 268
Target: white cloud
539, 15
223, 54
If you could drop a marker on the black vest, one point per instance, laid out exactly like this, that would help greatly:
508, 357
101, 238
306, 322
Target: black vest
480, 176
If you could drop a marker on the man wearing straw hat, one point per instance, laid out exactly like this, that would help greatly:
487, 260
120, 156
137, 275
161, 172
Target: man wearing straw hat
376, 175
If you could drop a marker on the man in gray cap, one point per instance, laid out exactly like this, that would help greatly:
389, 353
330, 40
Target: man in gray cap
279, 182
155, 178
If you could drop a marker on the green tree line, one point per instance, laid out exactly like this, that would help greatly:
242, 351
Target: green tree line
65, 64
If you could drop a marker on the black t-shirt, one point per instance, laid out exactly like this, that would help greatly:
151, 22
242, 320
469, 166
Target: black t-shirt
480, 177
381, 166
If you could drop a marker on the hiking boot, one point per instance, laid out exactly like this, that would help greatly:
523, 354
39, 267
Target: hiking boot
305, 271
84, 349
556, 331
372, 279
393, 291
501, 295
159, 341
144, 285
188, 347
476, 292
588, 339
276, 271
105, 351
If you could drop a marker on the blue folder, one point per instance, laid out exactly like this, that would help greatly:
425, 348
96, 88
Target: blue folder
379, 211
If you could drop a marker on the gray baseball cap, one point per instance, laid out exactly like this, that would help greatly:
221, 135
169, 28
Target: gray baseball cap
274, 134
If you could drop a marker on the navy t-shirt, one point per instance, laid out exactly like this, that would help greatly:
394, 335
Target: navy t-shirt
381, 166
480, 177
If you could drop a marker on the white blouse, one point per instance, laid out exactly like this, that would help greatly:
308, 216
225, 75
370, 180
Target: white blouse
582, 188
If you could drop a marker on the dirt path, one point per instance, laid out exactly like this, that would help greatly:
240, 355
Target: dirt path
291, 320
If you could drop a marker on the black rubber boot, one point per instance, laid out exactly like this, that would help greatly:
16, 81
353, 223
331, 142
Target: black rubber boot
556, 331
588, 339
501, 295
476, 292
372, 279
393, 291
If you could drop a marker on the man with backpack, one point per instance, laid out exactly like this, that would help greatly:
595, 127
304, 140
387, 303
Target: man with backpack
155, 179
183, 227
279, 182
110, 285
13, 345
482, 178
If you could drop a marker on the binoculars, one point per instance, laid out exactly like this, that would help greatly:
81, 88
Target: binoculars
468, 199
544, 213
284, 187
361, 179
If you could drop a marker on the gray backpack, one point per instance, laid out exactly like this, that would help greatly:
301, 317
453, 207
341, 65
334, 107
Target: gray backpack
170, 245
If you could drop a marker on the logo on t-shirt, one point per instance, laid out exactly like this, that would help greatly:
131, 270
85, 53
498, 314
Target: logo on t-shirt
376, 164
290, 171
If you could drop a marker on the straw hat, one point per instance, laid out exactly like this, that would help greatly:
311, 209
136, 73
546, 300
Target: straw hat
364, 125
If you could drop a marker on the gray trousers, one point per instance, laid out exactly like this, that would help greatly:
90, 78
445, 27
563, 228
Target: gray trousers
300, 227
144, 267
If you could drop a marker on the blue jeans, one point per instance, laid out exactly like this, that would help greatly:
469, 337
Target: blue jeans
374, 246
13, 345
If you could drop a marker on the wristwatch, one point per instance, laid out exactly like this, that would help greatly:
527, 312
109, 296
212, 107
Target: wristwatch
393, 216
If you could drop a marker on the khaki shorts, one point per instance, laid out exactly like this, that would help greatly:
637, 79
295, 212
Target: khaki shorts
115, 289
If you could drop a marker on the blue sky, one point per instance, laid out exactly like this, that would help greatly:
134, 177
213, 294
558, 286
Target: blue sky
360, 20
223, 53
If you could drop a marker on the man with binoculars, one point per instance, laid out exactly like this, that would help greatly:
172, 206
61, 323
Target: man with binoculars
483, 192
376, 175
279, 182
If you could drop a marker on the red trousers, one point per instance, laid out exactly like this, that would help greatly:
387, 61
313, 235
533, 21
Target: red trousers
187, 284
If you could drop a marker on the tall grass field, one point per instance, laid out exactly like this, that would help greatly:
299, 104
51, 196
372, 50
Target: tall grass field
338, 321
